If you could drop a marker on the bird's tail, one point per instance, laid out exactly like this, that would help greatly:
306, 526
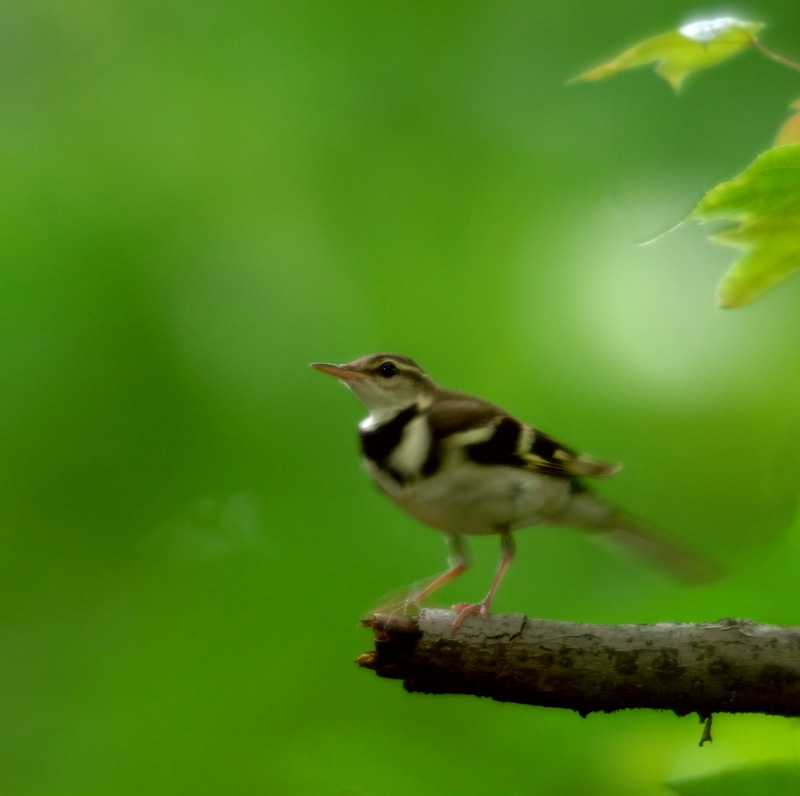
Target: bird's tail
666, 554
591, 513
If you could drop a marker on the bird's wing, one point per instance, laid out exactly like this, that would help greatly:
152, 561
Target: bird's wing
463, 416
491, 436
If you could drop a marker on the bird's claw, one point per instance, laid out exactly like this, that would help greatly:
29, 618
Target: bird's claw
466, 609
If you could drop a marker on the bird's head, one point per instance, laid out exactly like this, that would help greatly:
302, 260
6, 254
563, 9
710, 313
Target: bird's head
384, 383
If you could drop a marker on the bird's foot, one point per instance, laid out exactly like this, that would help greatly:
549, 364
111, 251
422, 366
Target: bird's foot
466, 609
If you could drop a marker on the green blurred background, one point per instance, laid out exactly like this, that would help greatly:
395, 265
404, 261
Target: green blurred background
201, 198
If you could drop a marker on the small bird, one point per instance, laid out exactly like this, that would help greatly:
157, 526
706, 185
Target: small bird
466, 467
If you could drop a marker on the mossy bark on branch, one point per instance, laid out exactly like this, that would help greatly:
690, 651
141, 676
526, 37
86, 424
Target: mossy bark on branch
729, 666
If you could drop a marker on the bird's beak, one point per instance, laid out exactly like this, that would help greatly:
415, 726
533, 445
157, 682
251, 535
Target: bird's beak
340, 371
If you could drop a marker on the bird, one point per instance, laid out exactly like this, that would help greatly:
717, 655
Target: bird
464, 466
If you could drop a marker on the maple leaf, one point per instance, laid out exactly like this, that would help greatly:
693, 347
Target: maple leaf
680, 52
790, 132
764, 200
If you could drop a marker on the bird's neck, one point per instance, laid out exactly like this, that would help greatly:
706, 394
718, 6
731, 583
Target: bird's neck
382, 415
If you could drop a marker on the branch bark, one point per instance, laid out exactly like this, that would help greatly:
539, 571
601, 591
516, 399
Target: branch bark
729, 666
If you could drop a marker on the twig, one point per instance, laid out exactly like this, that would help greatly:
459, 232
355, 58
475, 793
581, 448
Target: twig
706, 736
729, 666
774, 56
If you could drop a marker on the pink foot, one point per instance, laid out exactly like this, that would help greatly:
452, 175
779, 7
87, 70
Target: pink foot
465, 609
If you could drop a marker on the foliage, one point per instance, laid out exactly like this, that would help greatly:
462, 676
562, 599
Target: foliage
790, 132
765, 202
678, 53
764, 198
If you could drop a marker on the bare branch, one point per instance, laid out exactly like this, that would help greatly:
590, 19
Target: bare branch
729, 666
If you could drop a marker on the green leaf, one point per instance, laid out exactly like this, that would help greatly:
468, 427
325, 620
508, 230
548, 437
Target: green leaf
765, 202
775, 780
683, 51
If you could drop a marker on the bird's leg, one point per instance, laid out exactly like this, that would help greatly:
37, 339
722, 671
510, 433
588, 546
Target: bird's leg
507, 549
459, 564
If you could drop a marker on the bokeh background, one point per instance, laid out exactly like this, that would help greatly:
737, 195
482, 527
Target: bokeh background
199, 199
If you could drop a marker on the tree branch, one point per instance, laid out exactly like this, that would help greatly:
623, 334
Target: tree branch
730, 666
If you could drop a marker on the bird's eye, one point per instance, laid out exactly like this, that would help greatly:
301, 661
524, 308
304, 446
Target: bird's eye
387, 370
